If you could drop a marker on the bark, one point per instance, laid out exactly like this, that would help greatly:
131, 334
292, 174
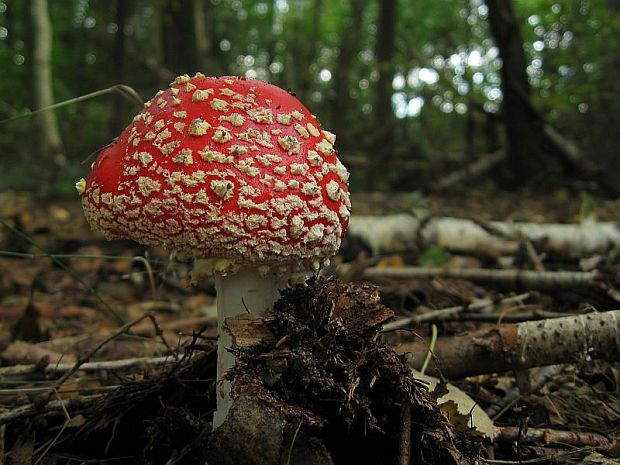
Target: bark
521, 346
405, 232
524, 129
51, 142
341, 104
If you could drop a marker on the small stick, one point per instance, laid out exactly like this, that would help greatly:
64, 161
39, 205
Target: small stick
54, 406
404, 450
149, 273
548, 436
160, 334
452, 312
57, 369
533, 256
83, 359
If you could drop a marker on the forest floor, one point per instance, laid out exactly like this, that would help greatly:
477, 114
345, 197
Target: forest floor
69, 375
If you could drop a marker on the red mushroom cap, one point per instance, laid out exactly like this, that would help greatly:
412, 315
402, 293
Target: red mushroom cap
223, 168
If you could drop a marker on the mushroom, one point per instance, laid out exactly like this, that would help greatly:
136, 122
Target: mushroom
233, 172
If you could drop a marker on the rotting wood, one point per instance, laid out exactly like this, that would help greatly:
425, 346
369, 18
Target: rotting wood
512, 279
519, 346
410, 232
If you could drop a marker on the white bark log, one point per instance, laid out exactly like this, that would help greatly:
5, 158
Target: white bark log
406, 232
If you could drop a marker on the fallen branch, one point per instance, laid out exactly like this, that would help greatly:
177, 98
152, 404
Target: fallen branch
524, 345
546, 436
60, 407
453, 313
537, 378
408, 232
53, 370
478, 167
512, 279
404, 450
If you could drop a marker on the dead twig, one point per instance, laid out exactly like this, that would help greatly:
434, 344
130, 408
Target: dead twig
54, 406
19, 371
545, 459
546, 436
538, 378
456, 312
83, 359
404, 450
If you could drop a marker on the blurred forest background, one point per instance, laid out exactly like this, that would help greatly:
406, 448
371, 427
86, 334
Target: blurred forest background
413, 89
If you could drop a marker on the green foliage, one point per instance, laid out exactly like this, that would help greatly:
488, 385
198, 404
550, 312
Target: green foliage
434, 256
445, 63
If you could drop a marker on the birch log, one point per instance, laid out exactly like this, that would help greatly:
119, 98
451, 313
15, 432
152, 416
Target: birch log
520, 346
410, 232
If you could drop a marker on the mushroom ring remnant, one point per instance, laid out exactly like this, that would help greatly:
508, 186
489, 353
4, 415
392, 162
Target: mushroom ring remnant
223, 168
230, 169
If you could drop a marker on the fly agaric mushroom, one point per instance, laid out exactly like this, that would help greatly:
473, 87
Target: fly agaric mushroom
233, 170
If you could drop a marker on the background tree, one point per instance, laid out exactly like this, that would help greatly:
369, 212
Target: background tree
384, 54
51, 143
411, 84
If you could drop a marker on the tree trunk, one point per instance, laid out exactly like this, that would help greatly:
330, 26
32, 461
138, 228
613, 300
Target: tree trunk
307, 76
383, 150
203, 43
341, 101
51, 142
118, 117
178, 36
524, 127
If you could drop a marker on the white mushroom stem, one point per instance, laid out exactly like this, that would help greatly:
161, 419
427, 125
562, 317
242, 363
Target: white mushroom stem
246, 290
